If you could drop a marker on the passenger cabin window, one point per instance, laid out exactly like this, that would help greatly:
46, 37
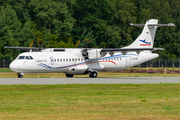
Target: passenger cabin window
21, 57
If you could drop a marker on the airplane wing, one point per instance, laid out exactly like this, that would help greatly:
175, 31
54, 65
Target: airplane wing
24, 48
111, 51
124, 49
87, 53
33, 48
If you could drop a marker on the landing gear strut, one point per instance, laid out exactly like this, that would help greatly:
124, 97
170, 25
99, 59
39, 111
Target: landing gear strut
93, 74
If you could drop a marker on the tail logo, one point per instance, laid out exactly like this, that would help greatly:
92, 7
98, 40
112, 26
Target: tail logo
145, 43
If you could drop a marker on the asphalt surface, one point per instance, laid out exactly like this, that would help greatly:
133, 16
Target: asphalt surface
113, 80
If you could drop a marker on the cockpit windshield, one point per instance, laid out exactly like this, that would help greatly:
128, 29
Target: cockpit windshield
21, 57
25, 57
31, 57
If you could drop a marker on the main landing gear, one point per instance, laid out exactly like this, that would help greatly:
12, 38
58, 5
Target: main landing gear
20, 75
92, 74
69, 75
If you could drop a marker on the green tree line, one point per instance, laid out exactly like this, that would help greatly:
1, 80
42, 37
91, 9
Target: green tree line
86, 23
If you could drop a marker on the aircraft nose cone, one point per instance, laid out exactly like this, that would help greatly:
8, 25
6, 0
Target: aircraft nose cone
13, 66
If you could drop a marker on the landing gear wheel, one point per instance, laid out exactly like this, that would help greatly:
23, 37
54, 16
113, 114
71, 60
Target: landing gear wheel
69, 75
93, 74
20, 76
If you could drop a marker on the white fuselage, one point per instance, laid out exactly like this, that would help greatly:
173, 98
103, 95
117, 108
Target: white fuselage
70, 63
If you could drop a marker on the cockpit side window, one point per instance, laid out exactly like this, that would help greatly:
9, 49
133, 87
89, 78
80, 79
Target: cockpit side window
31, 57
21, 57
27, 58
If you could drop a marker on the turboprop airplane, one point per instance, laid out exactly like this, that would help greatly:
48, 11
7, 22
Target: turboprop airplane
77, 61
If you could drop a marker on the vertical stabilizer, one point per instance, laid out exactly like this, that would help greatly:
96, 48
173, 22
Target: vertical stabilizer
146, 38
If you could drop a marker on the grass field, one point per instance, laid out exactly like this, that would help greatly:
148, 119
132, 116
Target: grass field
5, 70
90, 101
101, 74
7, 73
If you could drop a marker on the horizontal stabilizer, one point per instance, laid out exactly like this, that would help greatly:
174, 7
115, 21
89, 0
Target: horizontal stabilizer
159, 49
169, 24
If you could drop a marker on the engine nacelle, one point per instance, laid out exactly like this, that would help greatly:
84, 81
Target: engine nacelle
91, 53
78, 69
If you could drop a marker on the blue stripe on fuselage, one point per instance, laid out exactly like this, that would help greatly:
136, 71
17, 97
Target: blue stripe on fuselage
86, 62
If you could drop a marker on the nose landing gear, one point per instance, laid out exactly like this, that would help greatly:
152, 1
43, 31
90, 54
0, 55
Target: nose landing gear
20, 75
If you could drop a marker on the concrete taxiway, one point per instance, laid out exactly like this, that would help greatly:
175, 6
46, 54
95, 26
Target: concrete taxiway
112, 80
